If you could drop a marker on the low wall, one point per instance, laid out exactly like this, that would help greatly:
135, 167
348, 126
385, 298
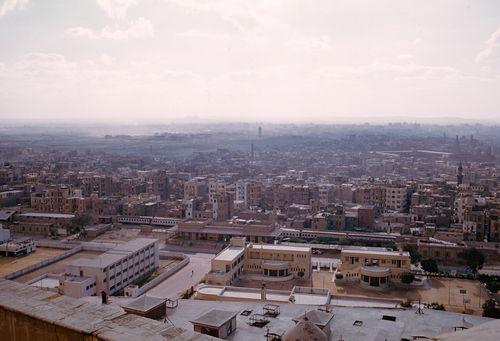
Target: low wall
43, 263
18, 326
55, 244
368, 299
164, 275
218, 293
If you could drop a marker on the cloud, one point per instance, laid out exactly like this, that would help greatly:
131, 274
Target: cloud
10, 5
492, 50
83, 32
199, 34
116, 9
137, 29
396, 72
309, 44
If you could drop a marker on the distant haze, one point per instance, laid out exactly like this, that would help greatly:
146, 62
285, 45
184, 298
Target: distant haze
324, 61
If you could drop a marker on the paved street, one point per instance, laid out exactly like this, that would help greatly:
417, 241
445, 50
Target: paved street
182, 280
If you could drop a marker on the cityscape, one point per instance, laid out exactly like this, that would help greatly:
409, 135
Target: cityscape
247, 210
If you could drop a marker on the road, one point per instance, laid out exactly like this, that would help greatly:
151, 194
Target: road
176, 284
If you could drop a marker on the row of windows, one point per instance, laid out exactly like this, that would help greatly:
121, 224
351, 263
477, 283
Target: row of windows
130, 269
135, 255
119, 284
252, 266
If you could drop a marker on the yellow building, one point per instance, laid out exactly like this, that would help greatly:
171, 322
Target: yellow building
264, 262
373, 268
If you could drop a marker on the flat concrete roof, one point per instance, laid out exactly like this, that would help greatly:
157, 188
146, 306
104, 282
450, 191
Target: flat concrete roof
379, 253
101, 261
214, 318
117, 253
46, 215
230, 253
134, 245
281, 247
145, 303
235, 231
373, 328
103, 322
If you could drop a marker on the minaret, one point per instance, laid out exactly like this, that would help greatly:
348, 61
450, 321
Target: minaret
460, 175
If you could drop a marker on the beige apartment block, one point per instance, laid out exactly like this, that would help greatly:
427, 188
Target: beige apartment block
112, 271
264, 262
395, 198
373, 268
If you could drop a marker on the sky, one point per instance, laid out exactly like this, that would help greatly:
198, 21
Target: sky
300, 61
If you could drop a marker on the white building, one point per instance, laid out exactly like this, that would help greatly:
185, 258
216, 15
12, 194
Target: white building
241, 192
17, 248
113, 270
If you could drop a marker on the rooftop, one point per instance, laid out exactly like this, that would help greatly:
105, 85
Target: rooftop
214, 318
115, 254
47, 215
144, 303
281, 247
95, 321
407, 324
230, 253
378, 252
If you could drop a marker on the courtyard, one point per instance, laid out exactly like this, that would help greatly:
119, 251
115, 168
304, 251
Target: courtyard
454, 294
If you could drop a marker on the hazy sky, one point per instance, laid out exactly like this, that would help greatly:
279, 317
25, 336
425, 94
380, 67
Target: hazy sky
134, 61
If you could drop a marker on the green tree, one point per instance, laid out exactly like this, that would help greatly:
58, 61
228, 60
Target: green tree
473, 258
414, 254
78, 223
407, 277
301, 274
490, 309
429, 265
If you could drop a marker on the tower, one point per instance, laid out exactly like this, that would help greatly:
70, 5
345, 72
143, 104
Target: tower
252, 152
460, 174
260, 132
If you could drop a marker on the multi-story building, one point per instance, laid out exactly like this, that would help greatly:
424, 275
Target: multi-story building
57, 219
396, 198
112, 271
17, 247
373, 268
260, 261
205, 230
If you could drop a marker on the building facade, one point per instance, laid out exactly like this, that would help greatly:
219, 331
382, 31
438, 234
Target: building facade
373, 268
112, 271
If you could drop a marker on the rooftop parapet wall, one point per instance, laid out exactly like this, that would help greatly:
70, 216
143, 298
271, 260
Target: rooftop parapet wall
29, 313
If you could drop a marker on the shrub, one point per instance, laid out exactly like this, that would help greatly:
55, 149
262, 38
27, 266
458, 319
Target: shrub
339, 275
473, 258
436, 306
407, 277
414, 254
429, 265
490, 309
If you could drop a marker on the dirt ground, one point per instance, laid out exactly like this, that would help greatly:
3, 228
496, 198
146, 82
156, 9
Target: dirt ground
441, 290
10, 264
124, 234
57, 267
